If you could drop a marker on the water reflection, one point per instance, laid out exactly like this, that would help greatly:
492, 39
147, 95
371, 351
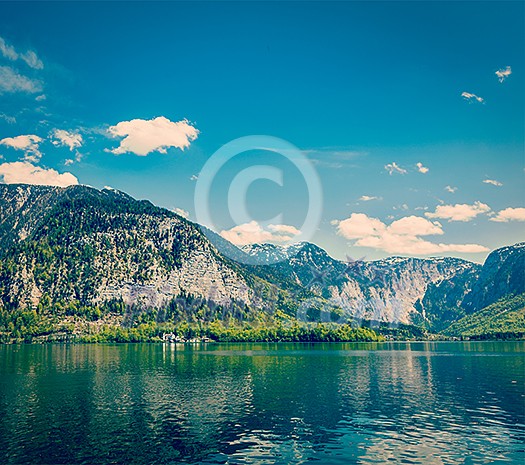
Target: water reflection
335, 403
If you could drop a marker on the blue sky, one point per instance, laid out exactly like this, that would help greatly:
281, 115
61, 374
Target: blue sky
366, 90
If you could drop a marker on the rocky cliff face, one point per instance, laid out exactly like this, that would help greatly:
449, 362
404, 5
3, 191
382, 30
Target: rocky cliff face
83, 244
503, 274
431, 293
443, 300
390, 290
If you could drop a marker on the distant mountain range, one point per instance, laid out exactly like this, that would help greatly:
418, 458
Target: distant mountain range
79, 244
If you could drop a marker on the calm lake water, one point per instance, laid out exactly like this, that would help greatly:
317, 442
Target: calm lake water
263, 403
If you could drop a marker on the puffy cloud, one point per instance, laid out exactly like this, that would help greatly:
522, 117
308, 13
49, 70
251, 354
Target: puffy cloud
493, 182
29, 57
62, 138
27, 143
11, 81
451, 189
359, 225
368, 198
414, 226
401, 236
414, 245
421, 168
459, 212
509, 214
27, 173
253, 233
471, 97
394, 168
21, 142
503, 73
145, 136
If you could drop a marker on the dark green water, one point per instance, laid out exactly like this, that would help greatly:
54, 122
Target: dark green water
425, 403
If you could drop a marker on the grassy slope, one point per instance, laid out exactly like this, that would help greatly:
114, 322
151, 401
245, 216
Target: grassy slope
500, 320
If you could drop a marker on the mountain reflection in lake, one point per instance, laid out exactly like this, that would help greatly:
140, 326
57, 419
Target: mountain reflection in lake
262, 403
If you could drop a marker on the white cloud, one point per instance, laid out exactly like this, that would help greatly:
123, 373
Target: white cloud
471, 97
421, 168
27, 143
253, 233
11, 81
29, 57
368, 198
40, 98
459, 212
493, 182
394, 168
145, 136
333, 157
400, 207
8, 51
401, 236
181, 212
63, 138
451, 189
284, 229
503, 73
509, 214
7, 118
27, 173
32, 60
359, 225
414, 226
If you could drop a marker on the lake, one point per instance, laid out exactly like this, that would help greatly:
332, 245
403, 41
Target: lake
413, 403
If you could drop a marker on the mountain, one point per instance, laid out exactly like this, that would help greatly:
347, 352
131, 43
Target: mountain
494, 307
443, 300
395, 289
79, 248
264, 254
503, 274
90, 246
504, 319
431, 293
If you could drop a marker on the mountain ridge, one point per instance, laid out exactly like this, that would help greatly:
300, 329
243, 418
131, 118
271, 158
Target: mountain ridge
81, 244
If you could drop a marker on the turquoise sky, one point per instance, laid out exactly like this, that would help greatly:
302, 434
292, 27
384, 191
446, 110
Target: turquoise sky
366, 90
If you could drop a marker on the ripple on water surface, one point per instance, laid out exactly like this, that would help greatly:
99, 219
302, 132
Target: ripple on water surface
420, 403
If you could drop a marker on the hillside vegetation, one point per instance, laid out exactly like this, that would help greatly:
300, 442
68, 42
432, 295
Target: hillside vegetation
77, 263
504, 319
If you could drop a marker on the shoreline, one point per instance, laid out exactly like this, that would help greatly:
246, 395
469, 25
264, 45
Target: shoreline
200, 343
